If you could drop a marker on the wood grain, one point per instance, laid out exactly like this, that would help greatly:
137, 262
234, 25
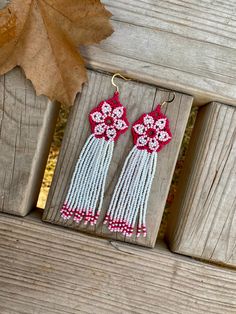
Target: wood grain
48, 269
3, 3
138, 98
185, 45
26, 127
204, 213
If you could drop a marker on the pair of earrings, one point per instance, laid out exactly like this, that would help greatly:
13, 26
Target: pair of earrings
128, 207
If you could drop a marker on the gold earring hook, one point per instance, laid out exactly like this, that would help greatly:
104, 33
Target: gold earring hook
169, 101
123, 77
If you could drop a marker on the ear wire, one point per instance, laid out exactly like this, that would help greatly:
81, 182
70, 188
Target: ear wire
120, 75
169, 101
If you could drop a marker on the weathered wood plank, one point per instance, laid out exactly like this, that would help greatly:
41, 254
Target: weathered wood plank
3, 3
138, 98
26, 127
45, 269
203, 221
185, 45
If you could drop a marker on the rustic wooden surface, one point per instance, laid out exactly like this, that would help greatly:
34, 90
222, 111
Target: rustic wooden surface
185, 45
203, 221
26, 127
47, 269
138, 98
3, 3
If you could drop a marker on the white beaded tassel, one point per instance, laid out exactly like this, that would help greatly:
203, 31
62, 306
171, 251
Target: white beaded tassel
130, 198
85, 195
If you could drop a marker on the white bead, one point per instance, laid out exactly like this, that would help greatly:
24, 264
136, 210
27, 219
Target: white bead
120, 124
153, 144
142, 140
118, 112
160, 123
163, 136
87, 186
97, 117
100, 129
111, 132
148, 121
139, 129
130, 197
106, 108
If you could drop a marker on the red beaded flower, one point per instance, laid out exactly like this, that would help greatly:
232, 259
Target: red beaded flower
108, 120
151, 131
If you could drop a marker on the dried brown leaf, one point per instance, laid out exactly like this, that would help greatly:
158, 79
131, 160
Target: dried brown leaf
43, 36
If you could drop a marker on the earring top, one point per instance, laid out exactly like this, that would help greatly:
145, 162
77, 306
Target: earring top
120, 75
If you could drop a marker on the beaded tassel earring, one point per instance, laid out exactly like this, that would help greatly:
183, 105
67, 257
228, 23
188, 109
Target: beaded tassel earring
85, 195
151, 133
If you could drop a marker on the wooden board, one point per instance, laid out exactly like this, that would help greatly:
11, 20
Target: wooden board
185, 45
3, 3
204, 213
138, 98
48, 269
26, 127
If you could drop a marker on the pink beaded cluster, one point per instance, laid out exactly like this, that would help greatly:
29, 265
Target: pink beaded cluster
79, 214
108, 120
119, 225
151, 132
142, 230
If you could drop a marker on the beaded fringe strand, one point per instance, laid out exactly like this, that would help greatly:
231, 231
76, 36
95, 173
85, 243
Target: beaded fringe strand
131, 194
86, 191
